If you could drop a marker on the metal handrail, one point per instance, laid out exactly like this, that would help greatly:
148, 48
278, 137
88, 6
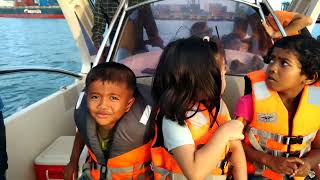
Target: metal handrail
104, 41
281, 29
40, 69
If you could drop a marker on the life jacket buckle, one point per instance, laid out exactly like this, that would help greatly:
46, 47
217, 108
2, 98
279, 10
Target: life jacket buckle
151, 166
293, 154
292, 140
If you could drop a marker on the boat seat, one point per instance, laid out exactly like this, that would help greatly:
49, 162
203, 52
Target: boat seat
234, 89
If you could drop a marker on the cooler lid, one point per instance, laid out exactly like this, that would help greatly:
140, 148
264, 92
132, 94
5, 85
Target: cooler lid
58, 153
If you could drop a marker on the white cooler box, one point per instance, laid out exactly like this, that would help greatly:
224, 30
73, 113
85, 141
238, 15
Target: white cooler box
51, 162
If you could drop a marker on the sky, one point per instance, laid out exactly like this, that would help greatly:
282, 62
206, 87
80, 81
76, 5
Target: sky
276, 4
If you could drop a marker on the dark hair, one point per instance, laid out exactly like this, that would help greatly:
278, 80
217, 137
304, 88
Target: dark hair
197, 29
240, 23
307, 50
187, 73
112, 72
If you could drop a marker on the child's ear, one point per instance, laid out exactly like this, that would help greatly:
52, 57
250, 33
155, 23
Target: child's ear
130, 103
313, 79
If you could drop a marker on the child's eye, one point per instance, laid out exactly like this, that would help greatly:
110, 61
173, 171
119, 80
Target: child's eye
271, 61
284, 63
94, 97
114, 98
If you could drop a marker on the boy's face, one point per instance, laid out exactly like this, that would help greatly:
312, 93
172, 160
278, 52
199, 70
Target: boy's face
284, 72
107, 102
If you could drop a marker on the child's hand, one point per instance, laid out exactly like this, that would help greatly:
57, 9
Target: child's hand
71, 171
281, 165
232, 130
303, 170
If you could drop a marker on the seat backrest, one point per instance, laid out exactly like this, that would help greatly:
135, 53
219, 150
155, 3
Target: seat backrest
234, 89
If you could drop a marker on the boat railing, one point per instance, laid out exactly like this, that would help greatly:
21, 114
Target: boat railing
41, 69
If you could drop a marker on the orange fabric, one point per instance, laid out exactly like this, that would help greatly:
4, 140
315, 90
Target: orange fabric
133, 158
272, 104
272, 175
285, 18
162, 158
95, 174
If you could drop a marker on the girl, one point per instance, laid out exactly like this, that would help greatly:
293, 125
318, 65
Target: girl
283, 136
187, 90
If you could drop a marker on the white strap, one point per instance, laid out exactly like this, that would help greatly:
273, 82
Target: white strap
280, 138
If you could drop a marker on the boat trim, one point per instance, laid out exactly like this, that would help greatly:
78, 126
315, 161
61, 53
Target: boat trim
40, 69
116, 36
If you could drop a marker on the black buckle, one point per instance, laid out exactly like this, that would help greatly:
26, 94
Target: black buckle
292, 154
292, 140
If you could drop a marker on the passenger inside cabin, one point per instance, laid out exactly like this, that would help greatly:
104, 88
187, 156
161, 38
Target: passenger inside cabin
281, 112
113, 124
236, 66
201, 29
132, 40
194, 133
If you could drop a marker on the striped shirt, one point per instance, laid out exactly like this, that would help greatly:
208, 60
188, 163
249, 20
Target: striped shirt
103, 14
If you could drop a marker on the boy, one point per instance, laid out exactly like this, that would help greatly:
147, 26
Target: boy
117, 149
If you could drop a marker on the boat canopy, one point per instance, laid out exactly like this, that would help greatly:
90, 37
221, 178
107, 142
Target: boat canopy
143, 29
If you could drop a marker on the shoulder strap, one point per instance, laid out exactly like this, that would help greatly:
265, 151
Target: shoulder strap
247, 85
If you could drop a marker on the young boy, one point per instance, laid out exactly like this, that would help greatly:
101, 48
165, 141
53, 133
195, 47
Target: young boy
283, 133
117, 149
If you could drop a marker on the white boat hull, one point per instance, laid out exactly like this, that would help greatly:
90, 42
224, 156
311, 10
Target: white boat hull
30, 131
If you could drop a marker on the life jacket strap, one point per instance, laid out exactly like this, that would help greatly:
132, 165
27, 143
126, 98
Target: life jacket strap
297, 154
129, 169
282, 139
100, 167
261, 146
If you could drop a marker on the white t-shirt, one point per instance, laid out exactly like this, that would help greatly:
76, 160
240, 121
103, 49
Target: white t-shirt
175, 135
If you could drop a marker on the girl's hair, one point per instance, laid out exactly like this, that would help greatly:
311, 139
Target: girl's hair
112, 72
307, 50
187, 73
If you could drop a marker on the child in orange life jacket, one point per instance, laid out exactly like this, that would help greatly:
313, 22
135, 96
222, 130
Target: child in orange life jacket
282, 113
102, 123
109, 99
187, 90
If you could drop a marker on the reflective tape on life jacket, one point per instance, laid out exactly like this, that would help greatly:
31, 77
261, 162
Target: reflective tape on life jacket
165, 166
102, 172
269, 129
131, 165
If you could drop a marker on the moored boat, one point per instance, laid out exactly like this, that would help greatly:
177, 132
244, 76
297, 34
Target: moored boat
30, 9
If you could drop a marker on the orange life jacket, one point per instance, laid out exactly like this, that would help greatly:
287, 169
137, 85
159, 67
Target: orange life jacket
165, 166
269, 129
133, 165
129, 154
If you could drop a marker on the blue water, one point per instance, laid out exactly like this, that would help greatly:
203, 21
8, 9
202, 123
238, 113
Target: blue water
34, 42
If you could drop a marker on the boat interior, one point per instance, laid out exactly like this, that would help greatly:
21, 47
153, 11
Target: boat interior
33, 129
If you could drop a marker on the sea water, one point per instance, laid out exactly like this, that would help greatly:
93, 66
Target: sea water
30, 43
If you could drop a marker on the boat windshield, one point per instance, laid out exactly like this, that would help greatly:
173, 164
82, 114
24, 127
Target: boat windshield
235, 26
